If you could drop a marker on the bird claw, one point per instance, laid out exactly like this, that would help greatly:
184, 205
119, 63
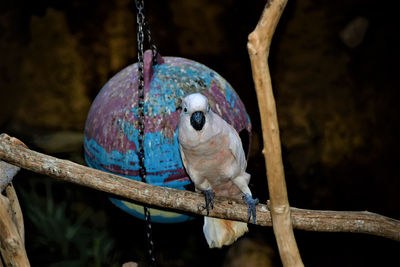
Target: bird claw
209, 196
251, 206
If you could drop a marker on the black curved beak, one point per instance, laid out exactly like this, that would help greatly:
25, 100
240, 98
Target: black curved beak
197, 120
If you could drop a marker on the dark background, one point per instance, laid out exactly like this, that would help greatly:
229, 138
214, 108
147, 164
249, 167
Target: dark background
334, 66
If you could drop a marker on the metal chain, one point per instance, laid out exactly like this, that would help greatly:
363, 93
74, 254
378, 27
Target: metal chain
151, 43
142, 168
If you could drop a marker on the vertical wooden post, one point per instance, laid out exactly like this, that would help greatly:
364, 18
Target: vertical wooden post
258, 48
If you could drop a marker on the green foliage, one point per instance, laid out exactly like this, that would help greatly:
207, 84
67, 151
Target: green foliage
63, 229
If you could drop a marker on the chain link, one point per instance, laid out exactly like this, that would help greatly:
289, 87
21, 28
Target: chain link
142, 27
151, 43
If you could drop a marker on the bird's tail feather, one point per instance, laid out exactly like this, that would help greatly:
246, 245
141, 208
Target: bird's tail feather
219, 232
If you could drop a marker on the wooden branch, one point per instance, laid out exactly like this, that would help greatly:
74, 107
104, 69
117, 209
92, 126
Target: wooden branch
11, 244
16, 215
258, 48
12, 233
310, 220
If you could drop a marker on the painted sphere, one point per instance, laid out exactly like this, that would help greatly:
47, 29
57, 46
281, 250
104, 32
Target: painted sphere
111, 132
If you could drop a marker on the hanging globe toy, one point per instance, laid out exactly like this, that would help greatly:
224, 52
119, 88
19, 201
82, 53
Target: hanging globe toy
111, 131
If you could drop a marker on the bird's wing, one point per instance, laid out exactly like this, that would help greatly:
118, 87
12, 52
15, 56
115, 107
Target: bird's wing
183, 157
235, 145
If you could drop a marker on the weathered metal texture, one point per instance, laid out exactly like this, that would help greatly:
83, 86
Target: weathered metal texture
111, 131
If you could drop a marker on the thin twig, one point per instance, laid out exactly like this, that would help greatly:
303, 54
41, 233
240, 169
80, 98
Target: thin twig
311, 220
258, 48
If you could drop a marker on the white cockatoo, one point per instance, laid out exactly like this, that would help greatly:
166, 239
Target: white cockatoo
213, 156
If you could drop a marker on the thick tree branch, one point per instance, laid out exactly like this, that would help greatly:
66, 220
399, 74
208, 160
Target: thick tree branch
12, 233
16, 212
310, 220
11, 243
258, 48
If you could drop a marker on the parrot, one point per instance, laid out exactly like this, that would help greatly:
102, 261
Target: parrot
213, 157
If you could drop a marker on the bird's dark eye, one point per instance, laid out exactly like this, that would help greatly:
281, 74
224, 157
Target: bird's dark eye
185, 110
